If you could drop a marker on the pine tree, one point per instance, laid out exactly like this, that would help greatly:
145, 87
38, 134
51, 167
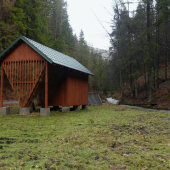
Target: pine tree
10, 22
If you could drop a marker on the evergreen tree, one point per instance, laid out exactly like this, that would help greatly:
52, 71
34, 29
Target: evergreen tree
83, 50
11, 18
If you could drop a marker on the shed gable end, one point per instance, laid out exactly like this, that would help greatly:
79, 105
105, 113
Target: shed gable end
23, 53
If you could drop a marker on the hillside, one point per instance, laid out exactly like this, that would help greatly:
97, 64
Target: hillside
161, 95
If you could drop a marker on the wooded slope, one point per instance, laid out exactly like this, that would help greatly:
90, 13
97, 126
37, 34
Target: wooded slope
141, 47
161, 95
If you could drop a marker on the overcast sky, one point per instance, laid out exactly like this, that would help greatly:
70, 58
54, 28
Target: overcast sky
82, 16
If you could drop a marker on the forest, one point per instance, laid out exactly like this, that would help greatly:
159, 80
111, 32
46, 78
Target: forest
47, 22
140, 46
139, 41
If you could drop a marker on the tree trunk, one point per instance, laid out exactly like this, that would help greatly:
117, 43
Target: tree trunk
149, 54
136, 87
145, 83
166, 52
157, 51
131, 81
121, 84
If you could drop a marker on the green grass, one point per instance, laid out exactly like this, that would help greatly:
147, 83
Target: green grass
102, 137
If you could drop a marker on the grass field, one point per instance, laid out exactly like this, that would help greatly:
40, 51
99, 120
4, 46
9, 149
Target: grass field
102, 137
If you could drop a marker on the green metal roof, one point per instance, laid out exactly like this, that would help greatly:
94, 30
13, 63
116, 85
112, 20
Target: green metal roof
52, 56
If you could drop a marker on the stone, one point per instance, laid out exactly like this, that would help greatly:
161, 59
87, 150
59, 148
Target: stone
4, 110
44, 111
24, 110
65, 109
84, 107
31, 109
76, 108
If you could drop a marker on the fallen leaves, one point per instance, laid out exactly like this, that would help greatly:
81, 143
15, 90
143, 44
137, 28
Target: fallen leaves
120, 109
53, 160
21, 163
2, 165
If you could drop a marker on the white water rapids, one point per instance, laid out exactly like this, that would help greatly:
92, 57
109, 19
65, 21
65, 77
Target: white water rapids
113, 101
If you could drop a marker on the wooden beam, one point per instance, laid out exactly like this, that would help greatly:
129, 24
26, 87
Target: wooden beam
25, 91
46, 85
15, 76
33, 88
33, 71
22, 78
2, 83
20, 85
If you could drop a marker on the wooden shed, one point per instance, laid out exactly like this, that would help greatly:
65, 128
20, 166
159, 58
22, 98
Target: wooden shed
41, 76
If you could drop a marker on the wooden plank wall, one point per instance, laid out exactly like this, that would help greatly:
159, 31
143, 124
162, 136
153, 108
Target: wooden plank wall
77, 88
57, 82
23, 67
72, 91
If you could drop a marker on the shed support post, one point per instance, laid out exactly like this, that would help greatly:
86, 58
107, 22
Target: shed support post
2, 83
46, 85
76, 108
65, 109
84, 107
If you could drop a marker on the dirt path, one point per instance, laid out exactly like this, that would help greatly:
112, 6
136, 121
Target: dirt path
146, 109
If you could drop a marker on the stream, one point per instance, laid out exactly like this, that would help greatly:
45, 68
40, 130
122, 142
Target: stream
113, 101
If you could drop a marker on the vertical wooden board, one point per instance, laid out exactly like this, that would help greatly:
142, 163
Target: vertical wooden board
80, 94
81, 84
17, 78
79, 88
64, 93
28, 51
15, 73
28, 71
25, 79
69, 88
2, 83
71, 95
46, 84
33, 73
74, 84
83, 89
87, 88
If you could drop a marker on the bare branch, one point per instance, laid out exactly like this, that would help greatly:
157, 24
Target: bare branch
102, 25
